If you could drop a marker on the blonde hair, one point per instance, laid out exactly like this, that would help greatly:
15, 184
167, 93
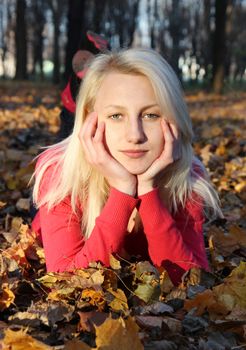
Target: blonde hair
75, 177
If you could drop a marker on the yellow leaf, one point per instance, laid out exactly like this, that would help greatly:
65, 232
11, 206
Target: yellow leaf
63, 293
21, 341
118, 334
94, 297
241, 186
114, 263
48, 280
120, 301
7, 297
97, 277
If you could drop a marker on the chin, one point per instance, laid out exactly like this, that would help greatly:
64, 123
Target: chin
136, 170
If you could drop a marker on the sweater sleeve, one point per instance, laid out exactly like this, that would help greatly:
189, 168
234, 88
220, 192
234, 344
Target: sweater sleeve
64, 245
175, 242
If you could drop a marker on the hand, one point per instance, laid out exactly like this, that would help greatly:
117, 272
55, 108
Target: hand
170, 153
91, 137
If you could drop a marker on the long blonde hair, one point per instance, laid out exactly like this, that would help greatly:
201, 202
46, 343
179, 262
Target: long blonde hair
76, 178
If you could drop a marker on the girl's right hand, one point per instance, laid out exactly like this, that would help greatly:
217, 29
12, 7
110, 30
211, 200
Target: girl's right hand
91, 137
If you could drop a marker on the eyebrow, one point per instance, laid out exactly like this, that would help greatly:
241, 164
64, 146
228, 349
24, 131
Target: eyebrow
142, 109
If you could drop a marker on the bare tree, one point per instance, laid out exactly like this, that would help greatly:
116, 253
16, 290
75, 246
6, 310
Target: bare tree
238, 41
121, 19
219, 45
57, 8
38, 9
206, 37
175, 30
76, 31
21, 40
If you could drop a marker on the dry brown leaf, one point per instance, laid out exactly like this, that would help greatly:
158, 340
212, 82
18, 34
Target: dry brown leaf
76, 345
157, 321
89, 320
232, 293
206, 301
227, 242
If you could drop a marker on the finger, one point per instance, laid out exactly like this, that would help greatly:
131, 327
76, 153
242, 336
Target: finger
168, 136
174, 130
99, 132
90, 125
99, 143
86, 124
177, 143
167, 154
86, 136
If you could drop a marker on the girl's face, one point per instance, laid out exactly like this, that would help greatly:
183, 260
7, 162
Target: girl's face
132, 116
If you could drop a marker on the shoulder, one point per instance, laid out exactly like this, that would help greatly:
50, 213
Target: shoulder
47, 170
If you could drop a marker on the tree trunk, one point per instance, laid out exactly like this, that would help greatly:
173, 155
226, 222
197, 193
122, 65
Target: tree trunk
175, 32
56, 57
99, 8
38, 35
229, 38
206, 52
76, 31
21, 41
219, 46
133, 22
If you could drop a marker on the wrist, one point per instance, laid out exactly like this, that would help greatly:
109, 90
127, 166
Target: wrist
129, 189
145, 188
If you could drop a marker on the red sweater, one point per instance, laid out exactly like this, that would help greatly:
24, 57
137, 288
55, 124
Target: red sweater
175, 242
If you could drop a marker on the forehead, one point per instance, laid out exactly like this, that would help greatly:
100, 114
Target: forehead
119, 87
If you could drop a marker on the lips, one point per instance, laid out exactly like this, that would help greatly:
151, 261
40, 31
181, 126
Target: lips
134, 153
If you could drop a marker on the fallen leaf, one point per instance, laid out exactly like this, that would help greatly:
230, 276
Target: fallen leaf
232, 293
20, 340
7, 297
118, 334
76, 345
114, 263
94, 297
206, 301
120, 301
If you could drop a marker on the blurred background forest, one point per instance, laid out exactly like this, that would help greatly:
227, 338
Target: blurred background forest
203, 40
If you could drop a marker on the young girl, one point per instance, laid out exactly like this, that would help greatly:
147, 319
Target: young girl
126, 181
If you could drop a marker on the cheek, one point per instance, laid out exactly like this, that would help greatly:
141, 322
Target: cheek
157, 140
111, 139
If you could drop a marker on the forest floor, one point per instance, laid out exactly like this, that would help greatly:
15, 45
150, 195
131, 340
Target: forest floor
131, 305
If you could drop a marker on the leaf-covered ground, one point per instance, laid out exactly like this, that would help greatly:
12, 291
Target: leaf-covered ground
131, 305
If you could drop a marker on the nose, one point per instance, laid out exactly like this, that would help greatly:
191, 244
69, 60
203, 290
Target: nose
134, 131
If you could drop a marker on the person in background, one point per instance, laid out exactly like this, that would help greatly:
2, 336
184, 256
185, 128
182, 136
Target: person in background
95, 43
126, 181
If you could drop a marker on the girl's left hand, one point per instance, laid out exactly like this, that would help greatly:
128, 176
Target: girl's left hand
170, 153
